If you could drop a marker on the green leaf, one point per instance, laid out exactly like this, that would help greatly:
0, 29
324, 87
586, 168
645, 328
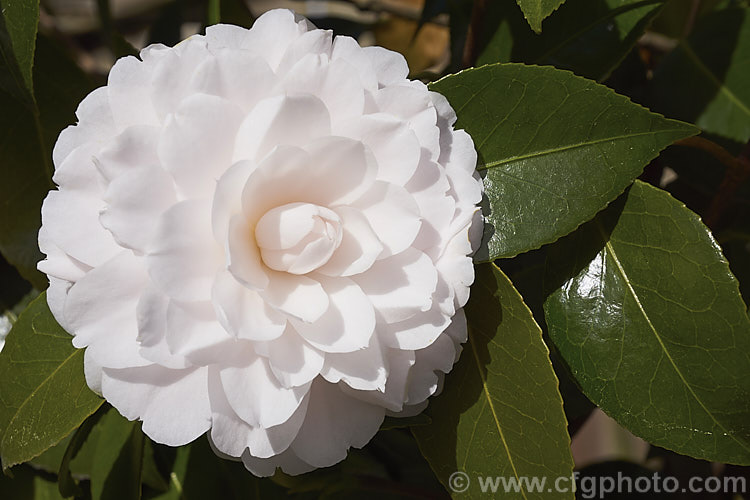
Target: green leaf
66, 484
26, 150
536, 11
18, 26
649, 318
44, 395
116, 472
554, 148
715, 59
500, 413
588, 37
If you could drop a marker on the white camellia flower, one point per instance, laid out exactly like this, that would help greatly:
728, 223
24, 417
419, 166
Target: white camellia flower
265, 235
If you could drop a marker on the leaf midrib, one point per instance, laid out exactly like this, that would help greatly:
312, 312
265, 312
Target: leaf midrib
495, 418
621, 270
567, 147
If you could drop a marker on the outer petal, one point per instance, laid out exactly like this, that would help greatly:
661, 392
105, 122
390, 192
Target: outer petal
335, 82
197, 142
71, 220
256, 396
233, 436
96, 114
365, 369
134, 147
135, 201
334, 423
272, 33
58, 264
389, 66
234, 75
100, 311
393, 397
129, 88
173, 404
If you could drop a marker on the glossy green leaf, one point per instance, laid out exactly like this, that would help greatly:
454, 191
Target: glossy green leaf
500, 413
536, 11
649, 318
715, 59
18, 26
554, 148
44, 395
26, 154
116, 471
588, 37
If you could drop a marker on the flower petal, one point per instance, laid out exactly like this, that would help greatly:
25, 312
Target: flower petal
197, 141
183, 242
243, 255
194, 332
334, 423
71, 220
400, 286
129, 91
173, 404
276, 121
135, 201
100, 311
347, 324
392, 143
389, 66
364, 369
256, 396
243, 312
300, 297
232, 435
292, 360
359, 247
393, 215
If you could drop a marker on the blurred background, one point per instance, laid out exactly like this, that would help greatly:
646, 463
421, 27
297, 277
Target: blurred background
395, 24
